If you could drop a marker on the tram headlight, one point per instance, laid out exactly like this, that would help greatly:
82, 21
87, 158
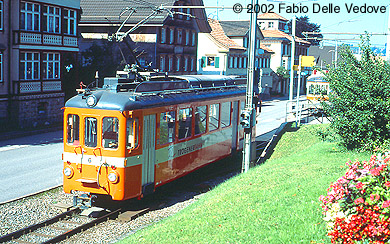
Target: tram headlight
113, 177
68, 172
91, 100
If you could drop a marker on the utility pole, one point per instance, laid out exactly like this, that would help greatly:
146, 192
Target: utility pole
292, 60
388, 37
249, 114
297, 116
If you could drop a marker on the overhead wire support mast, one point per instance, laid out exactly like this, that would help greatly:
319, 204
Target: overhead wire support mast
249, 114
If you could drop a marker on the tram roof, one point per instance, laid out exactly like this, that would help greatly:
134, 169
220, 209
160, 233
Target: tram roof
162, 91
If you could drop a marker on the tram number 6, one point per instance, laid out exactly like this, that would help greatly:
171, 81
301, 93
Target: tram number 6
260, 8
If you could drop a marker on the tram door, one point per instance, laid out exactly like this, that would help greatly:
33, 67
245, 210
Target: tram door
235, 126
149, 154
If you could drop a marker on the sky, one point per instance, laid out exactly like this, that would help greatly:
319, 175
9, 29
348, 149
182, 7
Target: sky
342, 21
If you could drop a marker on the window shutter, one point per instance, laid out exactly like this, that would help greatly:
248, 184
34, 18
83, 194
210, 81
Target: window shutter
216, 62
204, 60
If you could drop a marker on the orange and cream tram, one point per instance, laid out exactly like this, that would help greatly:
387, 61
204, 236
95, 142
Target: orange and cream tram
127, 138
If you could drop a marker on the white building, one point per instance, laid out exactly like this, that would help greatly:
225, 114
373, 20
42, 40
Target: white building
273, 28
224, 51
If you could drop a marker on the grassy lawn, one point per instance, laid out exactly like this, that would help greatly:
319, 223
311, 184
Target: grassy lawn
276, 202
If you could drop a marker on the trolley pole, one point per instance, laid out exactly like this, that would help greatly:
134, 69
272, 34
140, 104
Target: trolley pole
249, 114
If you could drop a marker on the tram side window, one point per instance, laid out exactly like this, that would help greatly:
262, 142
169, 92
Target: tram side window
73, 131
225, 114
200, 120
167, 127
110, 132
90, 139
213, 117
185, 123
132, 133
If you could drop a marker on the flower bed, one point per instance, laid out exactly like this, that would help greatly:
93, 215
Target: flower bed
357, 206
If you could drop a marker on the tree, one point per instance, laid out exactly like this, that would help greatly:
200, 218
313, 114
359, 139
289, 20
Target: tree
99, 57
360, 98
303, 25
281, 75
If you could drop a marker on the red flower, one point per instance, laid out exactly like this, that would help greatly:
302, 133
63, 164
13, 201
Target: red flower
375, 172
374, 197
387, 184
359, 200
360, 185
386, 204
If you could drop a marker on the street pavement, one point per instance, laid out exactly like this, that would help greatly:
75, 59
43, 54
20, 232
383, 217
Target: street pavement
30, 164
33, 163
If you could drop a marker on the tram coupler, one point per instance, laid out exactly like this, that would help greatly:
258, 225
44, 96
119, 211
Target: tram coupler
83, 201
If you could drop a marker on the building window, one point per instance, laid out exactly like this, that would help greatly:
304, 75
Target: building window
186, 64
193, 39
245, 63
187, 37
270, 24
51, 19
1, 67
51, 65
171, 36
193, 64
170, 63
30, 16
231, 62
210, 61
188, 13
163, 35
162, 63
70, 17
179, 36
240, 63
29, 66
178, 64
1, 15
245, 42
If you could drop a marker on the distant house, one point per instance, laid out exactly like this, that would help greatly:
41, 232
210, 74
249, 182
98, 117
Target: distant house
38, 50
273, 27
167, 41
225, 51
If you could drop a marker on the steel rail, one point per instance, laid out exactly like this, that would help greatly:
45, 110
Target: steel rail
83, 227
26, 230
67, 233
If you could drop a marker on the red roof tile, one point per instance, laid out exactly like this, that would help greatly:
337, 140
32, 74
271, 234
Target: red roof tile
271, 16
220, 36
281, 34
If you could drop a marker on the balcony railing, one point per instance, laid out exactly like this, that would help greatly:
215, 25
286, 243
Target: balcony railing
38, 86
23, 37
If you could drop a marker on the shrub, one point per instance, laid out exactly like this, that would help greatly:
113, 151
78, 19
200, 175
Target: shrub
359, 102
357, 206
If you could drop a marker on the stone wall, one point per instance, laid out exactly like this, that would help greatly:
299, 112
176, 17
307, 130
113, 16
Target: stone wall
39, 110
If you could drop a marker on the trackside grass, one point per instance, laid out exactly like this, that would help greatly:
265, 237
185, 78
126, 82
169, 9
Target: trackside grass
276, 202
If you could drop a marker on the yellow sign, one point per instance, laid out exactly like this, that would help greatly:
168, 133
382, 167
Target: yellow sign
307, 61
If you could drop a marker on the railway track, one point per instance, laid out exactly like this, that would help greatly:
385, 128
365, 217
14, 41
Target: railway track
57, 228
